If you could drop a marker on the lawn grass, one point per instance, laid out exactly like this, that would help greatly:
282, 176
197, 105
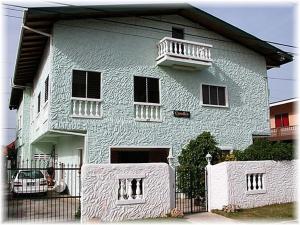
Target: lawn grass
286, 211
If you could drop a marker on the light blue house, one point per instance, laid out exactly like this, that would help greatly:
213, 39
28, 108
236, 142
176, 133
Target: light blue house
107, 84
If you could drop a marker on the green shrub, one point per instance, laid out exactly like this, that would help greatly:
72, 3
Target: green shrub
266, 150
192, 163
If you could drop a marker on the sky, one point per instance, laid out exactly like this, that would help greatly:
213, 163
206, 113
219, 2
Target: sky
267, 22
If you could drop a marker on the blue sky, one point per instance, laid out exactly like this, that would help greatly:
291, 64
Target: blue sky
271, 23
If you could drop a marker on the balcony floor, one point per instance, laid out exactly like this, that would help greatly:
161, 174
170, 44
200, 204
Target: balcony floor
183, 63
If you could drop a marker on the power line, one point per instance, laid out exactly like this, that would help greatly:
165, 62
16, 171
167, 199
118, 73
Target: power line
276, 43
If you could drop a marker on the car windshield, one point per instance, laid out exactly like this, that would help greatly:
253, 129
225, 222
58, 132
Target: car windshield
30, 174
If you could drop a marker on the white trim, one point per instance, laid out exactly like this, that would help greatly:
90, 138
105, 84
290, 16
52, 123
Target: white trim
283, 102
67, 132
137, 147
185, 41
217, 106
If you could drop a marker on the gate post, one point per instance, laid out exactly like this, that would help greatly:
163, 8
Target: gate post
208, 181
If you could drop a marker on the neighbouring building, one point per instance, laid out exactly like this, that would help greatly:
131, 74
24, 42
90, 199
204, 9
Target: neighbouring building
283, 120
106, 84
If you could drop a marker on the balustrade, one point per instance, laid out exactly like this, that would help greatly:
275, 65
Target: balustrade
147, 111
130, 189
255, 181
86, 107
184, 49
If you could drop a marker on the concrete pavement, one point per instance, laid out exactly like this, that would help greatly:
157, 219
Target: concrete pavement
207, 217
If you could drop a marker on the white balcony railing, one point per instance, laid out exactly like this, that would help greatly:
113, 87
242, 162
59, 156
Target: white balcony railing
255, 181
86, 107
131, 190
147, 111
183, 49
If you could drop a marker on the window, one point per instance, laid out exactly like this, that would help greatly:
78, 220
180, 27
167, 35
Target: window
213, 95
86, 84
282, 120
46, 88
177, 33
39, 103
146, 89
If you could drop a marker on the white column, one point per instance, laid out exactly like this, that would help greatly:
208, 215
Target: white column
96, 111
248, 182
254, 181
138, 189
79, 110
129, 186
259, 181
122, 189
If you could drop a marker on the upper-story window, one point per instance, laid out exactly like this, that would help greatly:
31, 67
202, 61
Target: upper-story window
86, 84
39, 103
214, 95
146, 89
147, 99
46, 89
177, 33
282, 120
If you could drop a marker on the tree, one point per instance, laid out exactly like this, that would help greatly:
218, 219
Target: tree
191, 176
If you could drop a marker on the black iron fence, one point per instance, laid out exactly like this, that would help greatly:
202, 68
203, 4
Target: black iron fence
39, 190
191, 189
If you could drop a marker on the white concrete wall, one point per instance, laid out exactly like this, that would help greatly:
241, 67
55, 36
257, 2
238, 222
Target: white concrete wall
227, 183
100, 185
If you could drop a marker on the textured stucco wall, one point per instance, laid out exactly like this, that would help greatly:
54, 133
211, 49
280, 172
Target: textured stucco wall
100, 191
120, 52
217, 186
279, 182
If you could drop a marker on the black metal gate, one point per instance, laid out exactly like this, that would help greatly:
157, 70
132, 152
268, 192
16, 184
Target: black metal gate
37, 191
191, 189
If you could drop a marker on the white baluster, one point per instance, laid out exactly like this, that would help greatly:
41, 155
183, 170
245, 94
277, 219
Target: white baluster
167, 46
97, 105
209, 54
171, 47
85, 107
193, 50
188, 49
254, 181
91, 108
197, 51
122, 189
147, 111
259, 181
79, 111
74, 106
175, 48
152, 112
248, 182
179, 50
138, 189
129, 190
156, 113
184, 48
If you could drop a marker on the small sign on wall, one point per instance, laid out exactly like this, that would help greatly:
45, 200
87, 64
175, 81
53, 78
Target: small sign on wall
182, 114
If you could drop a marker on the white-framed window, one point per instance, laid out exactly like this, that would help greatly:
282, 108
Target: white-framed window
146, 90
46, 89
214, 95
86, 84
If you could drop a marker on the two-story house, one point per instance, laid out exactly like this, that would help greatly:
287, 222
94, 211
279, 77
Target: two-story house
106, 84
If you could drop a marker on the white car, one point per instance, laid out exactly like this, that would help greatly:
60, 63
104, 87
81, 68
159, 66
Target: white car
29, 181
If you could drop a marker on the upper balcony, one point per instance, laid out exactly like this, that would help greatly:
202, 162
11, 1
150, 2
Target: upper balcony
182, 54
283, 133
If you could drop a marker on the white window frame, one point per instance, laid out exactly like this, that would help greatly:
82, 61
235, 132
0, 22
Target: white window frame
159, 89
210, 105
86, 71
